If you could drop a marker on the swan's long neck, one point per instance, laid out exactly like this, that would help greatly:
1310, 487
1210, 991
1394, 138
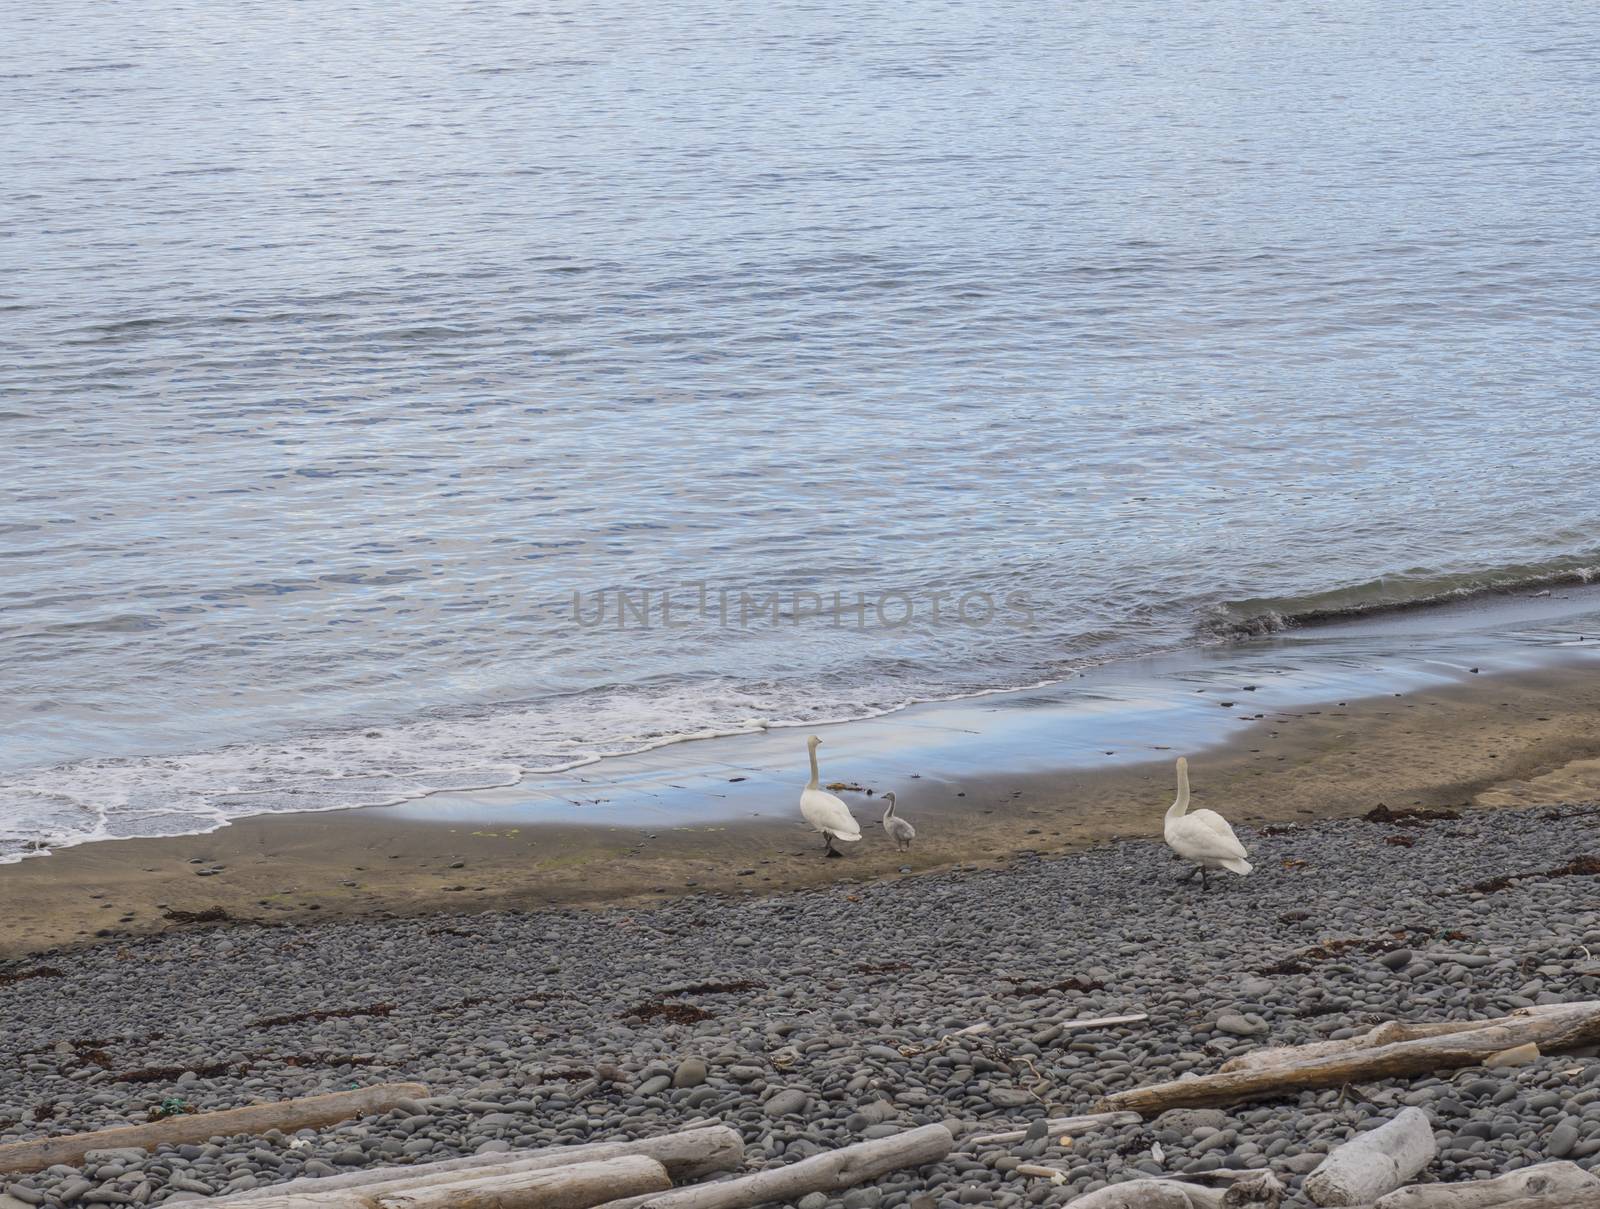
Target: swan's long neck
816, 781
1181, 805
888, 812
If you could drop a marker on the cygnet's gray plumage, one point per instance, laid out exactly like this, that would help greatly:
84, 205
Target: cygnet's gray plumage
900, 831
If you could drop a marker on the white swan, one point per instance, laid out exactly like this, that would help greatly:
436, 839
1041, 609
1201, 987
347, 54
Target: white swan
1203, 837
900, 831
824, 811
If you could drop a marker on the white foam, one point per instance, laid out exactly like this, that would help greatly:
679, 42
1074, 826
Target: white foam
194, 793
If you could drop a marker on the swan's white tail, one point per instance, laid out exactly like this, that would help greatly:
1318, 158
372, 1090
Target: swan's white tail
1241, 867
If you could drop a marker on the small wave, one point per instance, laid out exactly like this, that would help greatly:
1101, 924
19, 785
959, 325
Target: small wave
1258, 616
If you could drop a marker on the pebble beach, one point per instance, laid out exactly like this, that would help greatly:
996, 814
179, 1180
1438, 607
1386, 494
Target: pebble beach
811, 1019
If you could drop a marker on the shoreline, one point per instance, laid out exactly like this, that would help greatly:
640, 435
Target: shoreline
1480, 743
1149, 702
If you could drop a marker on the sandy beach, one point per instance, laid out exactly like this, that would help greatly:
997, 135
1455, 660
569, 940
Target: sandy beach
1486, 742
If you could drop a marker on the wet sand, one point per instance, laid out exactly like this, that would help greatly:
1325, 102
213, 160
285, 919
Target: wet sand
1484, 742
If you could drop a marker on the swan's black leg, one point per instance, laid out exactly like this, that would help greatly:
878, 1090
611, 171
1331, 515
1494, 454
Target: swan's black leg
1189, 876
1203, 886
827, 846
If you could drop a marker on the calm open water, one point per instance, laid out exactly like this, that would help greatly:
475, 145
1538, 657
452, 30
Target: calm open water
342, 345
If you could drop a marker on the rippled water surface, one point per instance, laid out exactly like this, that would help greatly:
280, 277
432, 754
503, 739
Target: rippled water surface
343, 344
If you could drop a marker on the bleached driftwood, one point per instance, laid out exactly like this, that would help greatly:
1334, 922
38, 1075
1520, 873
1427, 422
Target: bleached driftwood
1056, 1174
1374, 1163
633, 1202
1554, 1028
1056, 1126
1386, 1033
687, 1155
1150, 1194
578, 1186
1584, 1198
1543, 1179
1250, 1190
1079, 1026
831, 1172
307, 1112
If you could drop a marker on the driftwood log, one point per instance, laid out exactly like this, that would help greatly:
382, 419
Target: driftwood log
1374, 1163
1150, 1194
1055, 1127
1252, 1190
1582, 1199
577, 1186
687, 1155
1093, 1022
1552, 1028
1386, 1033
308, 1112
832, 1172
1542, 1180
